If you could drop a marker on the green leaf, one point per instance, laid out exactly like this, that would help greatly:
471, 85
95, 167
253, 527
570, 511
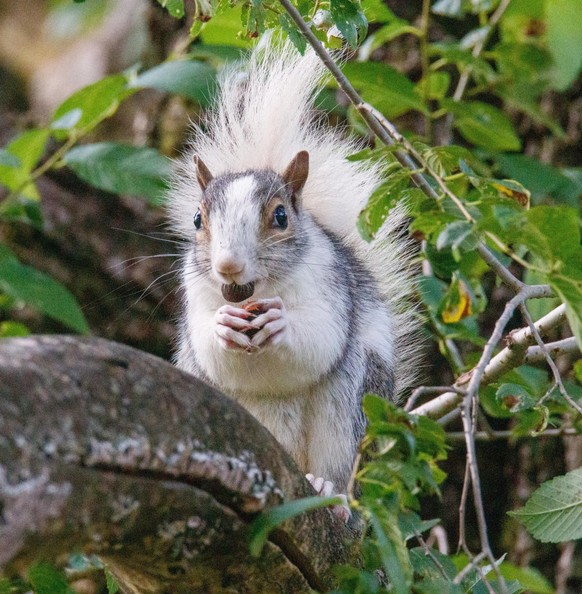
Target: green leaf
121, 169
269, 520
515, 397
457, 236
550, 232
224, 29
176, 9
410, 524
554, 511
391, 31
112, 585
484, 125
528, 577
380, 203
189, 78
564, 39
384, 87
13, 329
349, 19
377, 11
47, 580
540, 178
435, 86
392, 550
294, 35
40, 291
569, 289
27, 148
83, 110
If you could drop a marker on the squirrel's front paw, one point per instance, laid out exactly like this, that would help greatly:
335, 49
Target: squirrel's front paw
268, 327
231, 324
325, 489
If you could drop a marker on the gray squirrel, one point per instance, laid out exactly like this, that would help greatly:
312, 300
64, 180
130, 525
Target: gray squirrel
286, 309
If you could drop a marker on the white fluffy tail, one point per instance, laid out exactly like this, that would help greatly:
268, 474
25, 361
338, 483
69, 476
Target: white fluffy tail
262, 118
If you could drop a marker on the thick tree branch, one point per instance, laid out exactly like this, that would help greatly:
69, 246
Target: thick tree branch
114, 452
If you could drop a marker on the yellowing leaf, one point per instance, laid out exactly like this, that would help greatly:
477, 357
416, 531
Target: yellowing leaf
457, 303
514, 191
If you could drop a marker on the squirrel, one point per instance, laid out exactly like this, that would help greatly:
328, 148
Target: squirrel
286, 309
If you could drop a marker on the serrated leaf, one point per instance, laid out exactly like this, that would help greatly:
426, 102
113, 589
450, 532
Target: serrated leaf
484, 125
174, 7
554, 511
569, 289
564, 39
515, 397
349, 19
96, 102
269, 520
410, 524
380, 203
541, 179
385, 88
456, 235
189, 78
121, 169
294, 35
40, 291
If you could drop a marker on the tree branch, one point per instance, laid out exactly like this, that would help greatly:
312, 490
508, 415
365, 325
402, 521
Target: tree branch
510, 357
117, 453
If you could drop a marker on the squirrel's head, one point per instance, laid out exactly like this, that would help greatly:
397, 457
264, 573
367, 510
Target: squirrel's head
248, 225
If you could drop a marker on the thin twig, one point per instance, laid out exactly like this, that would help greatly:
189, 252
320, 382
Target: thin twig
549, 360
566, 346
510, 357
458, 436
430, 391
428, 552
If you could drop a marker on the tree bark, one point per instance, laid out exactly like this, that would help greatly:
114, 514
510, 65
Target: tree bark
114, 452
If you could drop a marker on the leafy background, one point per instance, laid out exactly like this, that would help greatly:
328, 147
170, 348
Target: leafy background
91, 113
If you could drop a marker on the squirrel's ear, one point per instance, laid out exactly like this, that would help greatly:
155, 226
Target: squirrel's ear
203, 174
297, 171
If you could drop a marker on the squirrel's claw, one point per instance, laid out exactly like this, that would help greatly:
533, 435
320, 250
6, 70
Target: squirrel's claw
325, 489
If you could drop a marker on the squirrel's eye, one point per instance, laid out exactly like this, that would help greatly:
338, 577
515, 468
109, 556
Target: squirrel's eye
280, 217
198, 219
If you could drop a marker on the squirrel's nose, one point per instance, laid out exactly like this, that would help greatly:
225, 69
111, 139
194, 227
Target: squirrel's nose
228, 264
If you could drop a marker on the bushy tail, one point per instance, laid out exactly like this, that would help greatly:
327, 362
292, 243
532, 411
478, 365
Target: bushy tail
263, 116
